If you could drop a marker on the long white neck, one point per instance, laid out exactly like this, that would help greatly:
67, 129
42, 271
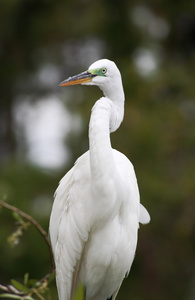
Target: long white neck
106, 117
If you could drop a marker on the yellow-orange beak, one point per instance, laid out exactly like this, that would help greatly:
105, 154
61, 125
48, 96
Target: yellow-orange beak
78, 79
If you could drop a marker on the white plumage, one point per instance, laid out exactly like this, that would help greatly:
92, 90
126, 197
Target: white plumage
96, 211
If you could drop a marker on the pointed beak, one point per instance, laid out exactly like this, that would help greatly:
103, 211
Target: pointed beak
78, 79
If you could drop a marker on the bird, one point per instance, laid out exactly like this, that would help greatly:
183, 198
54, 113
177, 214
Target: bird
96, 210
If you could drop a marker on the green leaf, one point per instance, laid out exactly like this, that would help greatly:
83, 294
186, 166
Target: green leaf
32, 282
17, 217
51, 277
80, 293
26, 277
20, 286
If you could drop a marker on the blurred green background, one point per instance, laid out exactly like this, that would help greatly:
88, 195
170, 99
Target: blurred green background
43, 128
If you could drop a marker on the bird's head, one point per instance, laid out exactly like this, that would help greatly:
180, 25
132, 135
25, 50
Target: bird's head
103, 73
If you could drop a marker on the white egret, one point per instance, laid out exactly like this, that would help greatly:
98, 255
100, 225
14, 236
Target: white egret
96, 211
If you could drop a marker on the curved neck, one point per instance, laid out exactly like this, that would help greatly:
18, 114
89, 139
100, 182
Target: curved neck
105, 117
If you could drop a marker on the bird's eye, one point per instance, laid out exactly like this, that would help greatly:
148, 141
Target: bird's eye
104, 70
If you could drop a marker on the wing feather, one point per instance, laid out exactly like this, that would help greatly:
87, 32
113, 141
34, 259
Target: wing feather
144, 215
68, 226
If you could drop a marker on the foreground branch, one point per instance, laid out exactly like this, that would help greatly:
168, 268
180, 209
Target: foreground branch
37, 226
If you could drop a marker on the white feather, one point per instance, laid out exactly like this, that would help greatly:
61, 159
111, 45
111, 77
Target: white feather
96, 211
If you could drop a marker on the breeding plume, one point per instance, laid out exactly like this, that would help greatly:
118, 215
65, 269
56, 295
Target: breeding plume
96, 211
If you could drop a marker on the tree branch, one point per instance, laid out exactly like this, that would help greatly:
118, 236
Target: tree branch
37, 226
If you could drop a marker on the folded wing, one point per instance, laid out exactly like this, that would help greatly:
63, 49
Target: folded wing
68, 227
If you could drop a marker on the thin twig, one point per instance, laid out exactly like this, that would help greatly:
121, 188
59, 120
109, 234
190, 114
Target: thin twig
37, 226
